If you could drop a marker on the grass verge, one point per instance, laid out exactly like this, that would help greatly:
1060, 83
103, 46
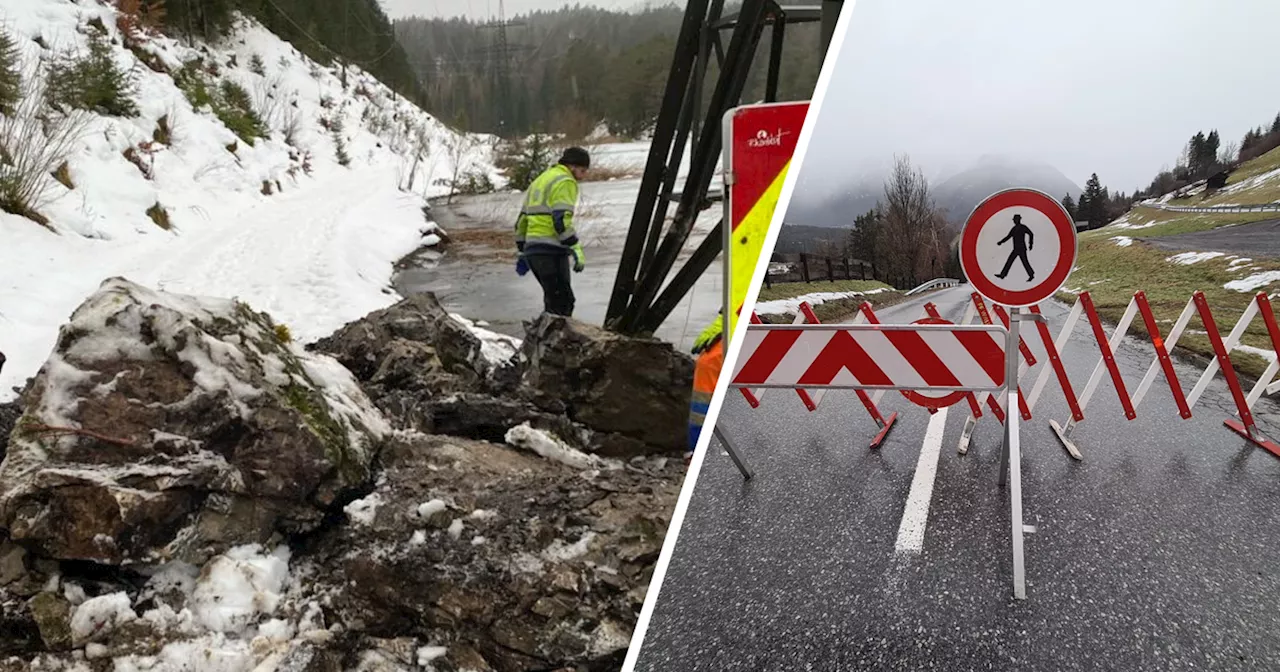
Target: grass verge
1111, 274
833, 311
1156, 222
1262, 192
790, 290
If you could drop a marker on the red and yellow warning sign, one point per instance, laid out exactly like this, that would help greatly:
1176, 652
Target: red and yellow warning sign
759, 142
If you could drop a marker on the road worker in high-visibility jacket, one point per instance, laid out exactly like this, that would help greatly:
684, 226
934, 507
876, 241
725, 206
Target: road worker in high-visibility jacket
709, 349
545, 236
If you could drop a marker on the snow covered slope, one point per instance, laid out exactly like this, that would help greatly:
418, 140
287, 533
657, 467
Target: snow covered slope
280, 224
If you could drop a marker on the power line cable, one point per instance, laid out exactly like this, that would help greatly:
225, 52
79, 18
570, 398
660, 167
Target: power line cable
322, 45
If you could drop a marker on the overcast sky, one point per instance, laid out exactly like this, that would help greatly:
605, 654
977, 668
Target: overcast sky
1108, 86
483, 9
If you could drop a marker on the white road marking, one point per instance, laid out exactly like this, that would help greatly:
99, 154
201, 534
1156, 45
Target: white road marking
916, 515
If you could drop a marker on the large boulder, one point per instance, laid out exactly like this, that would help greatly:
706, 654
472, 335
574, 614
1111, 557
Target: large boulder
414, 345
632, 387
174, 427
466, 555
436, 373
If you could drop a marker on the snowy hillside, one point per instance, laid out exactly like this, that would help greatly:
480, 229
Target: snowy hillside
174, 199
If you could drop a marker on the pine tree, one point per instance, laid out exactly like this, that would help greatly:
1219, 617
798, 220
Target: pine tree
1095, 196
1250, 137
10, 76
1275, 125
1210, 159
1069, 205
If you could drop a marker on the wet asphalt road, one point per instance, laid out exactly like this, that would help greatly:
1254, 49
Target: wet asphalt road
1256, 239
1157, 552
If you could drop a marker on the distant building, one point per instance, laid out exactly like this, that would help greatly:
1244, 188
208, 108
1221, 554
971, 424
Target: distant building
1081, 226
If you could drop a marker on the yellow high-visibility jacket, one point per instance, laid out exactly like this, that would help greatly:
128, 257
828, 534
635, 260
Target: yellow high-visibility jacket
545, 225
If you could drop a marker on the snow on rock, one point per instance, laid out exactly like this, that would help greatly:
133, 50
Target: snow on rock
166, 426
100, 615
1122, 241
551, 447
1188, 258
431, 508
343, 226
792, 305
363, 510
1253, 282
427, 654
497, 349
238, 587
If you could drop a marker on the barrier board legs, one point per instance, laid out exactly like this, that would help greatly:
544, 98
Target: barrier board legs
733, 454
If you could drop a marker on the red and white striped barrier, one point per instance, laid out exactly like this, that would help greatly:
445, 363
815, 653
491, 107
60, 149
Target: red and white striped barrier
1162, 363
940, 357
811, 401
921, 360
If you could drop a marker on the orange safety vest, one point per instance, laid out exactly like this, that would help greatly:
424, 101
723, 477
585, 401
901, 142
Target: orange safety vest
705, 374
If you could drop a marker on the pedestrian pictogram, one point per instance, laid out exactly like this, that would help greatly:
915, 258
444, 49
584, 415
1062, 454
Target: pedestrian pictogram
1018, 247
1023, 240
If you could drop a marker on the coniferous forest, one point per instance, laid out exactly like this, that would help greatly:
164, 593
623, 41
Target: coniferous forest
357, 32
573, 68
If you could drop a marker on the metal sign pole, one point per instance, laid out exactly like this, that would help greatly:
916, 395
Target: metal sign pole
1011, 456
727, 178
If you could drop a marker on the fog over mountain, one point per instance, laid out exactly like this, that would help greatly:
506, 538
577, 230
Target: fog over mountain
958, 191
1092, 86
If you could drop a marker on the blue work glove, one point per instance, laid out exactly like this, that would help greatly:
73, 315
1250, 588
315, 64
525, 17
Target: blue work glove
522, 267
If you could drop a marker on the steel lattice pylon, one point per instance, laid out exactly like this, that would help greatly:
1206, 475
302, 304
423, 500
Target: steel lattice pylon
640, 303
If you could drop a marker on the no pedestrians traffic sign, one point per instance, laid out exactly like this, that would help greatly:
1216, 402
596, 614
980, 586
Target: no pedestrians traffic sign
1018, 247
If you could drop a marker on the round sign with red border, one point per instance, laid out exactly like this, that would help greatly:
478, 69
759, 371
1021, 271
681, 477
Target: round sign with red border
1018, 247
920, 399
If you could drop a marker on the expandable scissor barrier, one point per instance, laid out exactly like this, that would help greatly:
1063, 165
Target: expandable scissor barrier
1162, 365
980, 361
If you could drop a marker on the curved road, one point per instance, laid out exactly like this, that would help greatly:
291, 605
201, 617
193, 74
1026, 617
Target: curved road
1256, 239
1156, 552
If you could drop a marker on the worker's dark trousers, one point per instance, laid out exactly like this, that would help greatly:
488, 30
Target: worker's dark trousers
552, 272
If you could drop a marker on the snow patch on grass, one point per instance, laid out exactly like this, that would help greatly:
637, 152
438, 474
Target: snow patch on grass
1251, 182
1253, 282
1189, 258
792, 305
1263, 353
1122, 241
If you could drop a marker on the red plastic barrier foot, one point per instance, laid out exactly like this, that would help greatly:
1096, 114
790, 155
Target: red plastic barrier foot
884, 431
1256, 439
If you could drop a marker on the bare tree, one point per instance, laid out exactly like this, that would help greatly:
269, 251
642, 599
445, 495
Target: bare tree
458, 154
911, 243
1229, 153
